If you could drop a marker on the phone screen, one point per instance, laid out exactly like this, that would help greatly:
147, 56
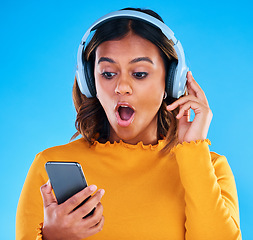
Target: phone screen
66, 178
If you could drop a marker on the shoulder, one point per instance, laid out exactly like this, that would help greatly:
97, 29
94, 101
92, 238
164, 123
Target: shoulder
65, 151
72, 152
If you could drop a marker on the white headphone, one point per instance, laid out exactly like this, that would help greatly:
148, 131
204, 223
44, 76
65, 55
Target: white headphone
176, 77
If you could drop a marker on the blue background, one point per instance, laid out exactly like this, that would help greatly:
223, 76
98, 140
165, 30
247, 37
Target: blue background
38, 47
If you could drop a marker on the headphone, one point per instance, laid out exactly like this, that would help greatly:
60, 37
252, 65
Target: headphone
176, 76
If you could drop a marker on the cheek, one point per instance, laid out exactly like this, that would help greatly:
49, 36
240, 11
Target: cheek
153, 104
152, 100
156, 91
102, 87
104, 95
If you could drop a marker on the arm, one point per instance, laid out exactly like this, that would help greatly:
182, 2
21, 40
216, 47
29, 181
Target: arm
30, 206
210, 193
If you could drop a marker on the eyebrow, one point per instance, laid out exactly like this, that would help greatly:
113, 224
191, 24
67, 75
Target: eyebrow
139, 59
106, 59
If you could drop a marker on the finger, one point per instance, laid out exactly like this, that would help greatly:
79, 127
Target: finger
186, 107
190, 91
47, 194
88, 206
185, 118
95, 218
97, 228
195, 89
181, 101
77, 199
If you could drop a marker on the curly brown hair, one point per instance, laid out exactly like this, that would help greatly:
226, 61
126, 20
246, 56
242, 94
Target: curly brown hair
91, 121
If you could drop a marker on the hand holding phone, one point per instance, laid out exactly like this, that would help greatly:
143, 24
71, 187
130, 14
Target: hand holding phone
65, 220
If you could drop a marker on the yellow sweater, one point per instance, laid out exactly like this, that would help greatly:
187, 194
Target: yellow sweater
189, 193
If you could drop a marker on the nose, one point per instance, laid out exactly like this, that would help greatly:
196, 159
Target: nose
124, 86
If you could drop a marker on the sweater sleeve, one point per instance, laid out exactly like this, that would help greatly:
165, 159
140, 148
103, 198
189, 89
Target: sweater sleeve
211, 204
30, 216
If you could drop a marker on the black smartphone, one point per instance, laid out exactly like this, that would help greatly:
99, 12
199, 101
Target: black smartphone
67, 179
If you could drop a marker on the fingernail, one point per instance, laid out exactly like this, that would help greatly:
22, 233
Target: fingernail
48, 183
93, 188
102, 191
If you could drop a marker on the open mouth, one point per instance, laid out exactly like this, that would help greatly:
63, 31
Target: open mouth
125, 114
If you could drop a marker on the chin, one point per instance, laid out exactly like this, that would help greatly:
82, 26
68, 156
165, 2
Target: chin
125, 134
137, 131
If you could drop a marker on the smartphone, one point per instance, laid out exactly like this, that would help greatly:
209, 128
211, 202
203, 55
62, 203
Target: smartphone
67, 179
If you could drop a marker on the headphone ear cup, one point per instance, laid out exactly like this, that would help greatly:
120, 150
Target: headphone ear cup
89, 76
171, 77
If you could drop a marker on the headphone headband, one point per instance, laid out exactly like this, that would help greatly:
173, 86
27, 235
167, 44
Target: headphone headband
181, 71
131, 14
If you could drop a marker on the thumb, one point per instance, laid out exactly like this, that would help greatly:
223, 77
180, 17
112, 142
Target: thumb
47, 194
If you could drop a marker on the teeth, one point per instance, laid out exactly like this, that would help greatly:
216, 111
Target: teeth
123, 106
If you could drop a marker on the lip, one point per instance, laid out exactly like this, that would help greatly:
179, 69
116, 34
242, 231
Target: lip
121, 122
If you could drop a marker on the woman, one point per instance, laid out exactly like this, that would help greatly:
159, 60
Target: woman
161, 180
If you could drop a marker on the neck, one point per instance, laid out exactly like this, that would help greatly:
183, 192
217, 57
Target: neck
147, 138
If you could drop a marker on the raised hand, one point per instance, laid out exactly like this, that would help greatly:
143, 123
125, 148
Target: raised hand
197, 101
61, 222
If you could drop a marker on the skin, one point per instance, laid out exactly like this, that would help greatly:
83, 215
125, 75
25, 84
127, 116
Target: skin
117, 80
119, 69
61, 222
197, 101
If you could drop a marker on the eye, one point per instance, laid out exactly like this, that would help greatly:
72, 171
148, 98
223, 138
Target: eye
108, 75
140, 75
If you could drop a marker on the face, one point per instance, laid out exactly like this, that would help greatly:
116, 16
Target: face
130, 83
